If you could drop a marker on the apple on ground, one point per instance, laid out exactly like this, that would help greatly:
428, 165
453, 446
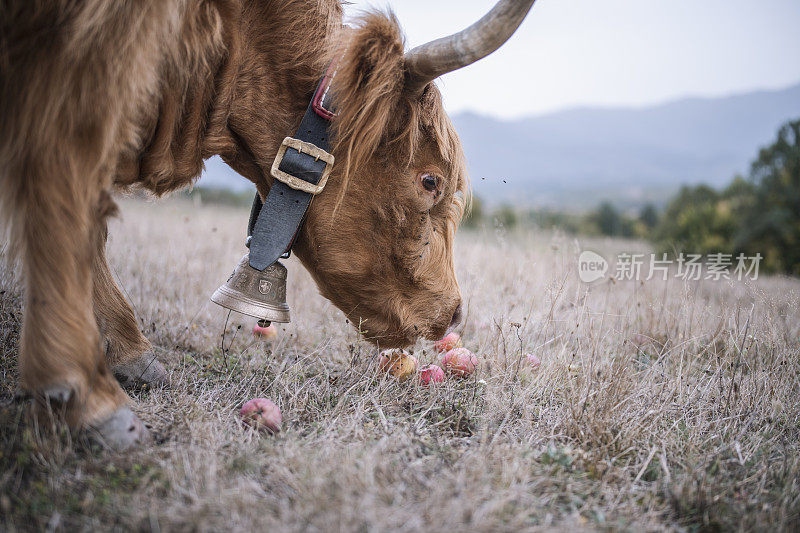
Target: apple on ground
448, 342
431, 374
398, 364
533, 361
460, 362
262, 413
267, 333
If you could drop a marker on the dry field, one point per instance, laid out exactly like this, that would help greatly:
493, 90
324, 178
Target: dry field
658, 406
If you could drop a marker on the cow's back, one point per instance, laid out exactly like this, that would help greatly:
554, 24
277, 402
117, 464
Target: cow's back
79, 82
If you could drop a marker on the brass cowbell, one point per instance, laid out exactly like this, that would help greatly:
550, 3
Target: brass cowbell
255, 293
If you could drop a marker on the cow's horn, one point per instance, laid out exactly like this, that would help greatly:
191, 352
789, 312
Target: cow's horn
427, 62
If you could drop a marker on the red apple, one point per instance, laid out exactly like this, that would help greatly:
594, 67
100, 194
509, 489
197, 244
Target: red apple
398, 363
262, 413
448, 342
460, 362
431, 374
268, 333
533, 361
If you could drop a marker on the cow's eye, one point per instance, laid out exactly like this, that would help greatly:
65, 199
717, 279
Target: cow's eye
429, 182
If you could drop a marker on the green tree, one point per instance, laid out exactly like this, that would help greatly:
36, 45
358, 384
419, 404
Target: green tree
697, 220
506, 216
756, 216
648, 216
608, 219
771, 221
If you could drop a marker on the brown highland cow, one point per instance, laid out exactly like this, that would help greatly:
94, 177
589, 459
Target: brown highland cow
98, 95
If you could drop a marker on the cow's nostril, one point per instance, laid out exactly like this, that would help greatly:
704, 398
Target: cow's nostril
456, 317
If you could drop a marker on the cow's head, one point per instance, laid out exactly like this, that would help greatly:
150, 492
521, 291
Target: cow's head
379, 239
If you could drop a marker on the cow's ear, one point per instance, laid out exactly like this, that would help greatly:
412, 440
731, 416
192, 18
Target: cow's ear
368, 87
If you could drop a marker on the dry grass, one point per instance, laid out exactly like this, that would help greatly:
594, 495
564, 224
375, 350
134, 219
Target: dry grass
657, 406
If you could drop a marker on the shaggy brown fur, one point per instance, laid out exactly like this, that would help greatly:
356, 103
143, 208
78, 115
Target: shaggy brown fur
398, 275
102, 94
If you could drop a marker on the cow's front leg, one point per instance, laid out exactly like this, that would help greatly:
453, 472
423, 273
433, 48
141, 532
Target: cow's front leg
128, 353
61, 359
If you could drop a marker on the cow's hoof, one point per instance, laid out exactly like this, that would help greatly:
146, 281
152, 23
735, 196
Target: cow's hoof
58, 394
147, 370
121, 431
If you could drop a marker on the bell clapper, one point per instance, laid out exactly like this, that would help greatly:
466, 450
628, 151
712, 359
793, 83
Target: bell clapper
264, 323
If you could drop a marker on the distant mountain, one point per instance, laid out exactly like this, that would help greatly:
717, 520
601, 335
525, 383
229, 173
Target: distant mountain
219, 175
575, 158
579, 156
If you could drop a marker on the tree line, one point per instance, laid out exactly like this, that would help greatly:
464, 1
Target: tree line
759, 213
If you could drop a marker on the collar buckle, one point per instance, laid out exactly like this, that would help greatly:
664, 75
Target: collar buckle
303, 161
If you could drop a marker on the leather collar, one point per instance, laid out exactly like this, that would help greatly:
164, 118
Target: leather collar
300, 172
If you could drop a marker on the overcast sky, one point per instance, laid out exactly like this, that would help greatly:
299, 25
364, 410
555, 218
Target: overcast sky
571, 53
